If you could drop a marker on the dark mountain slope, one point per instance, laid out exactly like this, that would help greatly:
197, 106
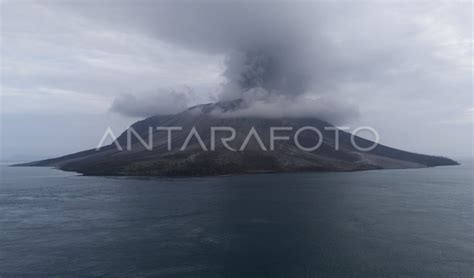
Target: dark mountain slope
192, 161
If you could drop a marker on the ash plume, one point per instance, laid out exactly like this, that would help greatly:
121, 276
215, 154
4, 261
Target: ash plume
274, 47
304, 52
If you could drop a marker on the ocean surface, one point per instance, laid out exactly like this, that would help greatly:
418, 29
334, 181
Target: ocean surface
385, 223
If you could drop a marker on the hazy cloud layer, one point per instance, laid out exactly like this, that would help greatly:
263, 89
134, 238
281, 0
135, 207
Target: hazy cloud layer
165, 102
339, 50
404, 68
259, 102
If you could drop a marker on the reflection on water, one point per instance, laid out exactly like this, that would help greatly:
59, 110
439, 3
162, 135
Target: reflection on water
393, 223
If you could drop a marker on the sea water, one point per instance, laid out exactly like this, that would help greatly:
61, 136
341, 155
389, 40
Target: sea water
383, 223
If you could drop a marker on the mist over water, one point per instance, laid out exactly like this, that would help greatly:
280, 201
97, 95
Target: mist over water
386, 223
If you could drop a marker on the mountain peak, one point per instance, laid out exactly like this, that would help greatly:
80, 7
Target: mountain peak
240, 153
218, 107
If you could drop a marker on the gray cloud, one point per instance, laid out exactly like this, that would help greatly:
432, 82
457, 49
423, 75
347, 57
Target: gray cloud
406, 67
164, 102
258, 102
325, 49
276, 46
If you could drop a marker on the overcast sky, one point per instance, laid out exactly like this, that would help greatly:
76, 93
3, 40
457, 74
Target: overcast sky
70, 69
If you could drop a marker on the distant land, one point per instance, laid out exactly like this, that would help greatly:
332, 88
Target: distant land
286, 156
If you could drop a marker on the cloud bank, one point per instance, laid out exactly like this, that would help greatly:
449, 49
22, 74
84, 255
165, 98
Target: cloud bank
405, 66
161, 102
313, 50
